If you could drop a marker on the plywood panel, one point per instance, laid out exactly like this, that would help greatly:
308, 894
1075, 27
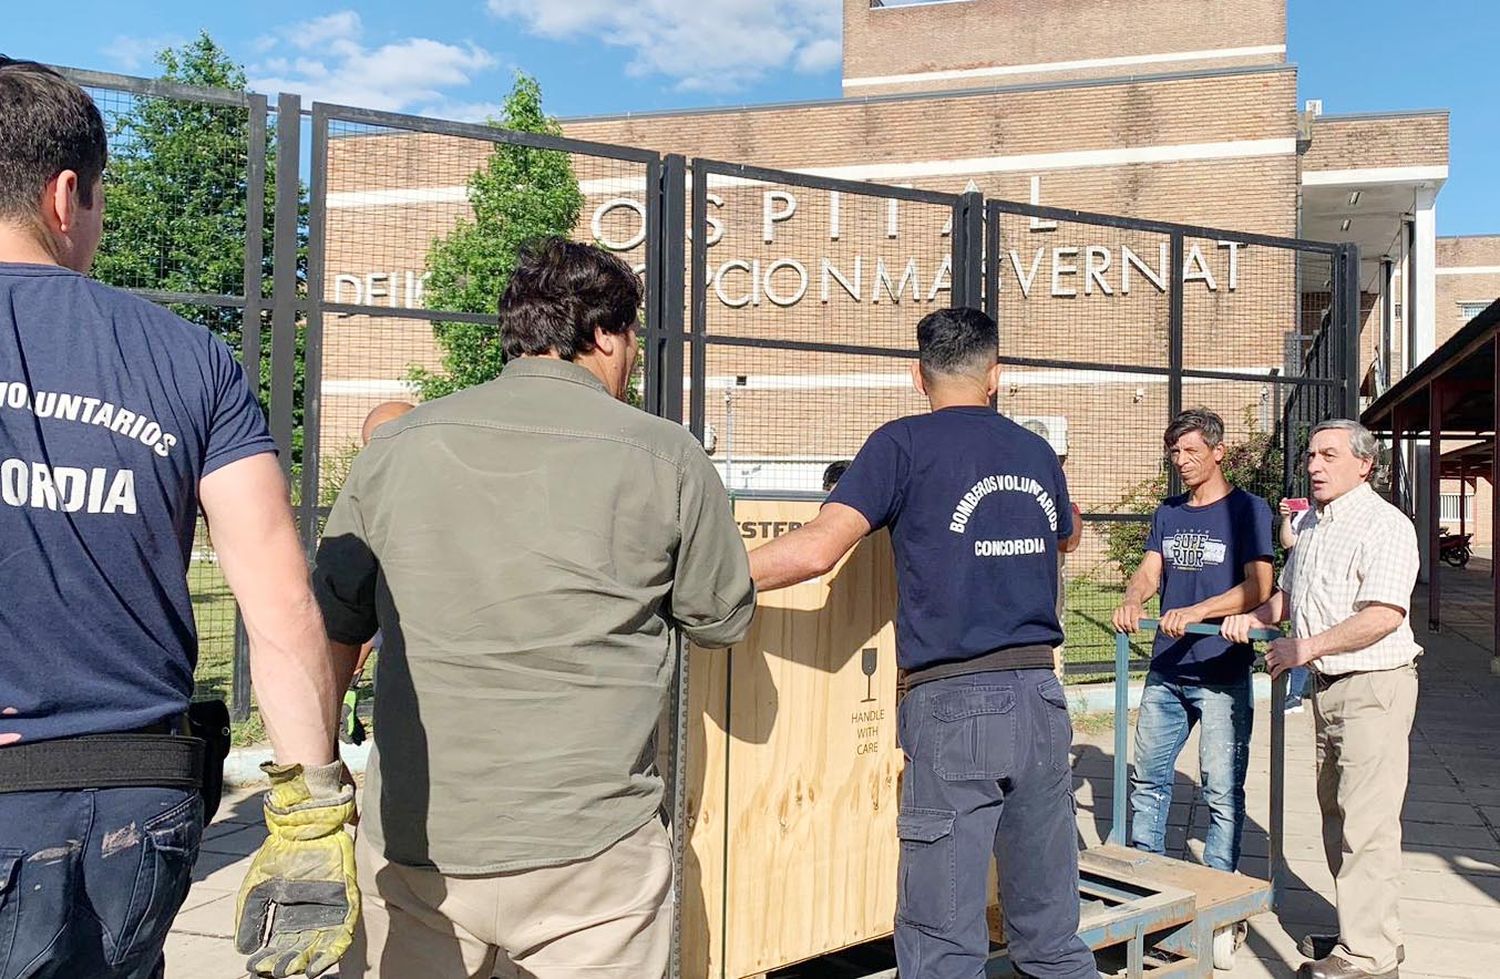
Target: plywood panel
810, 764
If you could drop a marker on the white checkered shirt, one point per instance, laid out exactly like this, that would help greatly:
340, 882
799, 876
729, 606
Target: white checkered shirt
1355, 551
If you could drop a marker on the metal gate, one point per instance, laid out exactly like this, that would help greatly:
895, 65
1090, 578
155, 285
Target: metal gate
189, 227
1110, 326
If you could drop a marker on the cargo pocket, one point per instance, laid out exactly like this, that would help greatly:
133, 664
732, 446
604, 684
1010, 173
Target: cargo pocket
976, 734
10, 903
926, 893
1059, 724
169, 848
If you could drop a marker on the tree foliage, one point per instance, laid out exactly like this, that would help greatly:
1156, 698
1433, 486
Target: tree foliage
177, 192
520, 193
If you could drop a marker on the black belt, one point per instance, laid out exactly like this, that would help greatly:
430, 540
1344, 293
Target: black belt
105, 761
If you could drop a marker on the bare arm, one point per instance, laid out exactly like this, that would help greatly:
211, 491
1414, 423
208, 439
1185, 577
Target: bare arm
810, 550
1287, 534
1274, 611
297, 680
1143, 584
1248, 594
1362, 629
1070, 543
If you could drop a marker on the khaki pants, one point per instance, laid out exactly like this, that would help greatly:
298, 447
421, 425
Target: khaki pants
1363, 729
607, 917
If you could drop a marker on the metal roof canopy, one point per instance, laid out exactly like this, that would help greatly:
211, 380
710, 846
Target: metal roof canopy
1462, 370
1450, 395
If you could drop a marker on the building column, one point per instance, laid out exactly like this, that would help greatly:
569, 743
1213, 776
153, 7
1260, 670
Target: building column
1434, 502
1494, 515
1387, 325
1422, 331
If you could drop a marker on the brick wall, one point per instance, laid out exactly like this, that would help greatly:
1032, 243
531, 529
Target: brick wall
1397, 140
1454, 289
920, 38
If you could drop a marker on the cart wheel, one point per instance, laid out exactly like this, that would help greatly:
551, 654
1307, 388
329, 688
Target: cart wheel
1224, 948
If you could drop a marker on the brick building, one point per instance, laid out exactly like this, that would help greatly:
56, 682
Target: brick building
1149, 108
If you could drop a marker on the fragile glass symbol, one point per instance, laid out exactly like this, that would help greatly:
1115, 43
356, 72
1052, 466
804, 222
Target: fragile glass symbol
869, 660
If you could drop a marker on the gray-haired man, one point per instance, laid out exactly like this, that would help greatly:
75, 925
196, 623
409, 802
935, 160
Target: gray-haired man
1346, 590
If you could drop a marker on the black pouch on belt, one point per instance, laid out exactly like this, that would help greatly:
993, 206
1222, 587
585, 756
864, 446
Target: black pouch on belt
208, 720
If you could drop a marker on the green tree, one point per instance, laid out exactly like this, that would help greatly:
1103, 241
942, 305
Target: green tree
177, 190
520, 193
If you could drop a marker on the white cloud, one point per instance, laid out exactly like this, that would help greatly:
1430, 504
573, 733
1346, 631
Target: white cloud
703, 44
137, 54
332, 63
461, 111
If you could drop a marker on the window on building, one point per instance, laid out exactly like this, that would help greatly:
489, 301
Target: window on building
1469, 310
1448, 510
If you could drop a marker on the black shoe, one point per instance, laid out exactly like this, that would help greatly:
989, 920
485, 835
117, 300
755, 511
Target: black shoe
1335, 967
1322, 946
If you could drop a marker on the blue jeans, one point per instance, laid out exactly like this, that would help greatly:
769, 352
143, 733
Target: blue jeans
1296, 685
987, 772
90, 880
1169, 710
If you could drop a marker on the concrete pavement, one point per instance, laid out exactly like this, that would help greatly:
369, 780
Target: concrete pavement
1451, 899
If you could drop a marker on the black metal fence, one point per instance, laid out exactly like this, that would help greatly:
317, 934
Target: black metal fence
779, 308
189, 227
1110, 326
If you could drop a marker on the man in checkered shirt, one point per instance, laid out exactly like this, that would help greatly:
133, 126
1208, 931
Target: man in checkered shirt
1346, 590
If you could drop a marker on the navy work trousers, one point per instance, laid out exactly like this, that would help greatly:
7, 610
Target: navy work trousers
987, 771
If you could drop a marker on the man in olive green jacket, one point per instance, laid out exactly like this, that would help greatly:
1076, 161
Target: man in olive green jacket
527, 547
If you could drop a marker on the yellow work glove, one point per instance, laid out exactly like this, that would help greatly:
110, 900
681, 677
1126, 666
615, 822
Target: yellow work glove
302, 877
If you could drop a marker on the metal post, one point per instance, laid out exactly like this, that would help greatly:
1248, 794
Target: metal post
672, 258
1174, 350
1495, 509
1434, 500
698, 269
1122, 727
992, 264
1387, 318
1398, 468
1348, 310
255, 259
312, 375
967, 240
1278, 787
284, 283
239, 679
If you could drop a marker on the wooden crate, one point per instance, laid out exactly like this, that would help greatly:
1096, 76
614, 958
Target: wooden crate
792, 768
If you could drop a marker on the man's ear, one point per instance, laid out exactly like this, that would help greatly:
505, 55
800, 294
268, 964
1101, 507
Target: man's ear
917, 380
605, 341
992, 380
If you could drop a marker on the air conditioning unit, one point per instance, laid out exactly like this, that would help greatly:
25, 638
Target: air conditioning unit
1053, 428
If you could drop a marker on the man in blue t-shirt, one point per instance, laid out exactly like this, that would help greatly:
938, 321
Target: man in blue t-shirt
977, 507
1208, 555
118, 420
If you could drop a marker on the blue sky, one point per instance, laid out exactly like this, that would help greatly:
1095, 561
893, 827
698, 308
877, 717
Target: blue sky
594, 57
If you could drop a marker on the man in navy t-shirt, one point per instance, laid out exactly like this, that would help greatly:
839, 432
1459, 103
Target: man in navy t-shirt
976, 506
1209, 555
118, 420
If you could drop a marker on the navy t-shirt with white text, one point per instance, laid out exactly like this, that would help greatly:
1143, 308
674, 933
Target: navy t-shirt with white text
976, 506
1204, 551
111, 411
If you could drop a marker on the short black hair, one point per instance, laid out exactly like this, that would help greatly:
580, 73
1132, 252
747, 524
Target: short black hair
47, 125
957, 341
1200, 420
562, 291
834, 473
